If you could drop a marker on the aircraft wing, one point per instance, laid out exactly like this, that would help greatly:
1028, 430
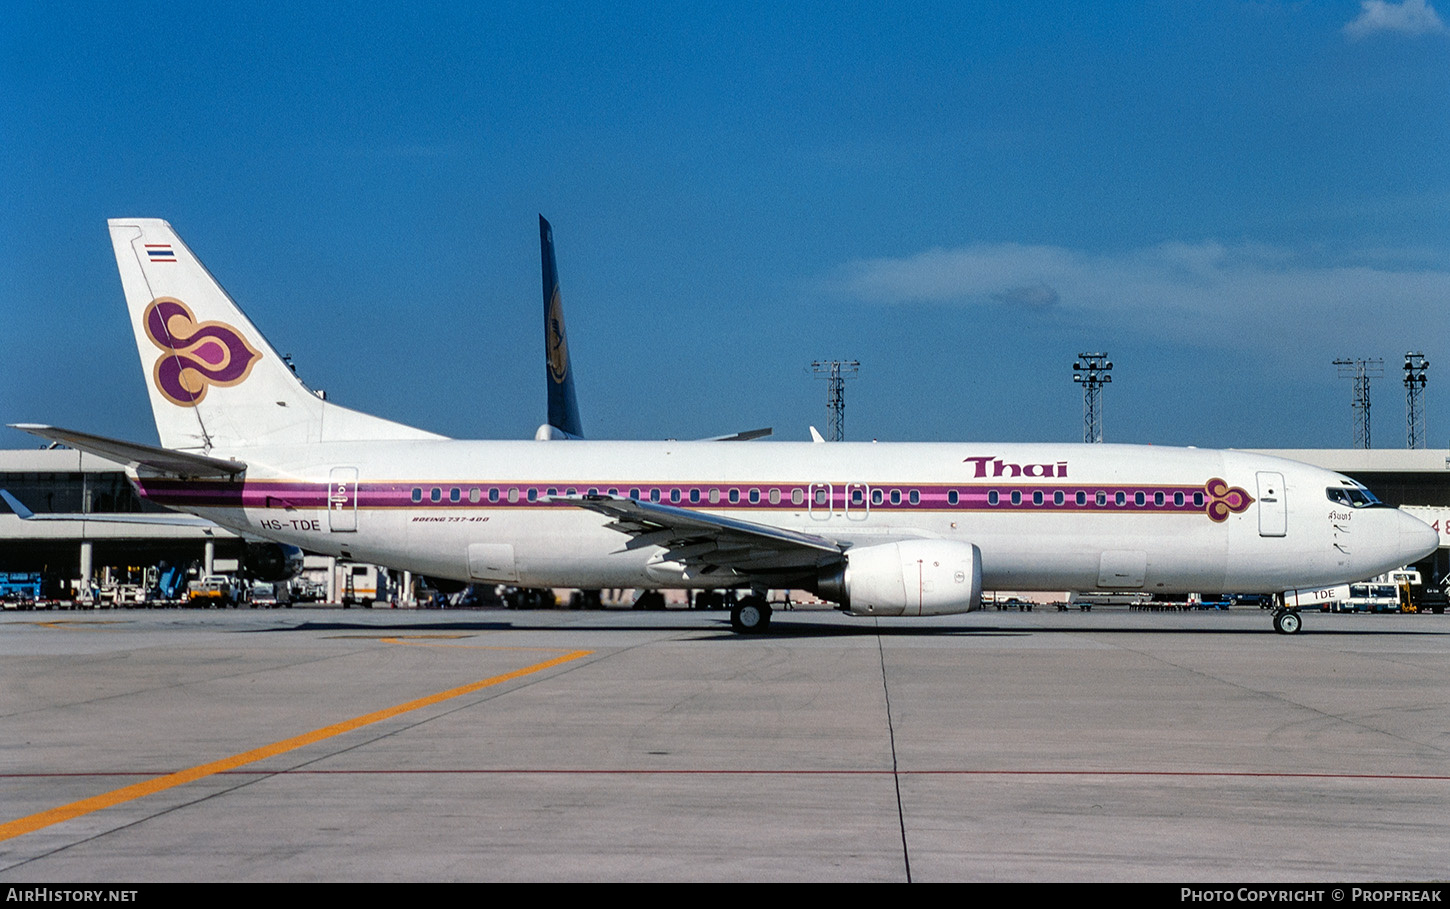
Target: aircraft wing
746, 436
708, 544
134, 455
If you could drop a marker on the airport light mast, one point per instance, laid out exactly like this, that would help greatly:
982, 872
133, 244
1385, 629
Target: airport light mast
1092, 371
1361, 370
1415, 429
836, 372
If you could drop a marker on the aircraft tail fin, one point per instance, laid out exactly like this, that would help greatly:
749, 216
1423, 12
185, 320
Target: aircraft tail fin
563, 406
214, 381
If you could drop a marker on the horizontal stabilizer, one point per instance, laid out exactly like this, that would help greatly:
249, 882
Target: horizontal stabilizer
153, 519
137, 456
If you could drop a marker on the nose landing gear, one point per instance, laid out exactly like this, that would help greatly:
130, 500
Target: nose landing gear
1287, 621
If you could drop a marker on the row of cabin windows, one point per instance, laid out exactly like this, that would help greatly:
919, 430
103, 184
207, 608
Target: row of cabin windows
1100, 499
857, 495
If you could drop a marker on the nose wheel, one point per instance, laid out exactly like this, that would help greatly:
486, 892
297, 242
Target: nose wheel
750, 615
1287, 621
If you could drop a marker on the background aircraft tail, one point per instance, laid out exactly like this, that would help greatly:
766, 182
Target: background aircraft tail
214, 381
563, 406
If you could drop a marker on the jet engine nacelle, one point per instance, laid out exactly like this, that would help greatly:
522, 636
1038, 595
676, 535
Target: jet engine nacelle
273, 562
910, 577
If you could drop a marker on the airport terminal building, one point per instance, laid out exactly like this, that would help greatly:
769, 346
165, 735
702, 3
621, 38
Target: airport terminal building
63, 481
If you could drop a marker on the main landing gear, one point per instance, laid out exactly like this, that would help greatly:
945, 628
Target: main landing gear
750, 614
1287, 621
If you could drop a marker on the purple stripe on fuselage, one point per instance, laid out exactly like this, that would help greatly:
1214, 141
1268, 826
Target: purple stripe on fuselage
839, 497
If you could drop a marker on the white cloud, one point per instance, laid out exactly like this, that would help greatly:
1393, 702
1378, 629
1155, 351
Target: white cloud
1411, 17
1237, 294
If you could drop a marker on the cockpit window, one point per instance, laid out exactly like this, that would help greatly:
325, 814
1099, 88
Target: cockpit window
1351, 496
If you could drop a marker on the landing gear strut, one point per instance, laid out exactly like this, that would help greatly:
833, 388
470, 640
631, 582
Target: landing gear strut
750, 615
1287, 621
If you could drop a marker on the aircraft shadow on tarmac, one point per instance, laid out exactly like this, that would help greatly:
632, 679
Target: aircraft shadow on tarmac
784, 628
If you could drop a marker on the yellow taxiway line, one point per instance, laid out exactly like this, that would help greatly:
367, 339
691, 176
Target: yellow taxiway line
135, 791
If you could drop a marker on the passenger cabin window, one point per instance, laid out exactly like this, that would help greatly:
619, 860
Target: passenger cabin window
1058, 497
694, 497
754, 497
435, 494
1080, 498
1178, 499
1121, 498
877, 497
455, 495
675, 496
1139, 499
775, 497
914, 497
797, 497
493, 495
1016, 497
952, 497
533, 494
1037, 497
895, 497
992, 497
654, 495
417, 494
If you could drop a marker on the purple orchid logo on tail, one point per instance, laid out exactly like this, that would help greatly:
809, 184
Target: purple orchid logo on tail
196, 355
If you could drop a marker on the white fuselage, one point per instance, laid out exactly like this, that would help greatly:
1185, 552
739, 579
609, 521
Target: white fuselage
1045, 517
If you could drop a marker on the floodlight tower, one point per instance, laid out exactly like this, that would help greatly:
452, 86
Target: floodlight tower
1415, 366
1092, 371
836, 372
1361, 370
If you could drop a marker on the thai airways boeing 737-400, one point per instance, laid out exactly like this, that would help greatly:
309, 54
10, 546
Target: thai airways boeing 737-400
891, 529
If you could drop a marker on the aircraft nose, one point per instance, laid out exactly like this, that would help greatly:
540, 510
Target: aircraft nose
1417, 539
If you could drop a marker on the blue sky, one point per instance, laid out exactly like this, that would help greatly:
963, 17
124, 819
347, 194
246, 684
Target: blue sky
1224, 196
